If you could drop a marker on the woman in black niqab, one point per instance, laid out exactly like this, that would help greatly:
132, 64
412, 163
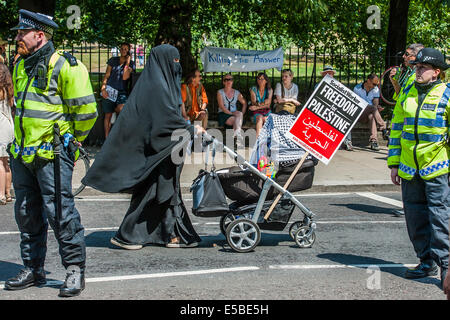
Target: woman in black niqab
136, 157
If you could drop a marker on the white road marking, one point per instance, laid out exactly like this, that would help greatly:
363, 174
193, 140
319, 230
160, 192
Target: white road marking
156, 275
4, 233
373, 196
188, 197
359, 222
340, 266
236, 269
171, 274
102, 199
50, 230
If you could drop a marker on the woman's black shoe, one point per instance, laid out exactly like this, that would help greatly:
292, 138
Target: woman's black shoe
26, 278
424, 269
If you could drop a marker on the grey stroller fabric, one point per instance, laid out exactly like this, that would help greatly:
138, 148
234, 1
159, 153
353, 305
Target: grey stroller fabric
245, 187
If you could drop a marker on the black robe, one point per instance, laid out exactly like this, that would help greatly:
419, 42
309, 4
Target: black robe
136, 156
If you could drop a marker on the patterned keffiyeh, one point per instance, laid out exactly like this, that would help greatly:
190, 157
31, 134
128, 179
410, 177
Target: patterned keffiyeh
272, 142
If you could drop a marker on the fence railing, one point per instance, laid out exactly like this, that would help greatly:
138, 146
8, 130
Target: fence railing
307, 64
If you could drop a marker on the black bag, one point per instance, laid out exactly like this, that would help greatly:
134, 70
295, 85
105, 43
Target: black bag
209, 200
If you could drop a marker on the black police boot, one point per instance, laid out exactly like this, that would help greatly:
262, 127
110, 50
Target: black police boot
26, 278
426, 268
74, 283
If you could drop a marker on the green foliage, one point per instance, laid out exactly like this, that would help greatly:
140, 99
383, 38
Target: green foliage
331, 25
8, 18
109, 22
429, 23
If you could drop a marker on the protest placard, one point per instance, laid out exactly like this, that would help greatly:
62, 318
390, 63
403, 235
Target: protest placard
326, 119
235, 60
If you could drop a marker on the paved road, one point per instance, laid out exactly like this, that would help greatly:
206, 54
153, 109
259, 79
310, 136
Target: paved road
361, 252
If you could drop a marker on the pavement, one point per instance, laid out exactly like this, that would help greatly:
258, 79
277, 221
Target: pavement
361, 170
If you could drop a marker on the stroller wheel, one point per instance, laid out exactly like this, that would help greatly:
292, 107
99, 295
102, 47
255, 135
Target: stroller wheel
294, 228
305, 237
225, 220
243, 235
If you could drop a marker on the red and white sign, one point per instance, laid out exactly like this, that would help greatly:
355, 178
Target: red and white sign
326, 119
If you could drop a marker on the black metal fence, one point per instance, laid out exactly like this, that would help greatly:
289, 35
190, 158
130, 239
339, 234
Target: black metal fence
306, 63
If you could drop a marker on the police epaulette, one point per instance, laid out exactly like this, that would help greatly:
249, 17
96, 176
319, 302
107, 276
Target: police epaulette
72, 60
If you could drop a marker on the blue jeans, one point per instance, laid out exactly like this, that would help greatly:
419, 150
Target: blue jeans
427, 212
34, 188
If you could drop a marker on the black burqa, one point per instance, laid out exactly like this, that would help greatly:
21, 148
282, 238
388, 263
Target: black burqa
136, 156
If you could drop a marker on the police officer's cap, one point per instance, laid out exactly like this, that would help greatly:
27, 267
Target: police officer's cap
37, 21
431, 56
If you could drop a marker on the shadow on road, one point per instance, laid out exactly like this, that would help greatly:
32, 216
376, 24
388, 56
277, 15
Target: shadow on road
9, 270
267, 240
350, 259
100, 239
367, 208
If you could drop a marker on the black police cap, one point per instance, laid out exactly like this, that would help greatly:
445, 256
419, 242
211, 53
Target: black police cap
431, 56
33, 20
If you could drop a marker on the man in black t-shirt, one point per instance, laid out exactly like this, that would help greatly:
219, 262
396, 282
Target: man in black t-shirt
115, 83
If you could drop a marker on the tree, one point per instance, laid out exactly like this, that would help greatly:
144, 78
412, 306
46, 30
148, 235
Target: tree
8, 18
397, 31
45, 7
175, 29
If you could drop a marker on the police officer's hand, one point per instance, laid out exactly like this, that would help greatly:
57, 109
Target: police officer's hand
395, 177
105, 94
199, 129
393, 72
447, 286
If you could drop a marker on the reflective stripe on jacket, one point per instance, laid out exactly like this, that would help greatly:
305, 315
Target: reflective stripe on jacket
411, 78
68, 99
418, 138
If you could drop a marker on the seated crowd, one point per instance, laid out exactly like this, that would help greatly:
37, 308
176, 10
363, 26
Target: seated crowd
264, 100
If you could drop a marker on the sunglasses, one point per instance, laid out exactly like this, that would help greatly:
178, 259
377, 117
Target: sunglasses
228, 79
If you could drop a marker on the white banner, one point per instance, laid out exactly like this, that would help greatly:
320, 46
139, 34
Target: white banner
234, 60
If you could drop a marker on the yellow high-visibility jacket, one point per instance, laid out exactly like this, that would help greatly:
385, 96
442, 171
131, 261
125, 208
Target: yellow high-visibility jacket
418, 138
68, 99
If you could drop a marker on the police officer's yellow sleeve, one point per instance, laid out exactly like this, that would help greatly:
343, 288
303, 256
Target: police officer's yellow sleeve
395, 135
79, 98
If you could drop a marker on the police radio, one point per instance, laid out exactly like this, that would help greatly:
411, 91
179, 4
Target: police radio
40, 81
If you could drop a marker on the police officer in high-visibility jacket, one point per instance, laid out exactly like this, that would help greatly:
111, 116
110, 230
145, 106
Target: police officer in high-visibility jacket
408, 76
419, 155
49, 87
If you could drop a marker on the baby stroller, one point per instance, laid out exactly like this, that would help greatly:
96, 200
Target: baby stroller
253, 192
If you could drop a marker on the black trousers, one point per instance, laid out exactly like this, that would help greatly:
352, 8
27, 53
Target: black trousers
427, 212
35, 207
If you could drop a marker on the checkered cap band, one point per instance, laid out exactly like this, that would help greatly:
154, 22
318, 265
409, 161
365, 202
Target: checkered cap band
36, 25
